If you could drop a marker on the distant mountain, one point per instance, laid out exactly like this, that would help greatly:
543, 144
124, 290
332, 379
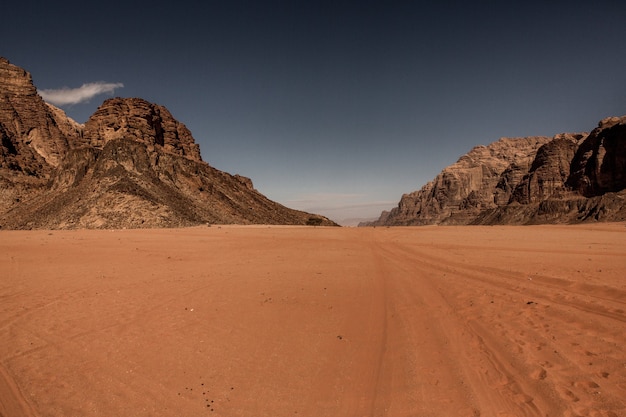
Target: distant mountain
569, 178
355, 221
131, 165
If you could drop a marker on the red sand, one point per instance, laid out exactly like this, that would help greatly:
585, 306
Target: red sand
286, 321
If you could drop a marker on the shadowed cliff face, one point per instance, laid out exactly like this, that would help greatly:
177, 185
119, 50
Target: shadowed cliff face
131, 165
567, 179
549, 171
599, 165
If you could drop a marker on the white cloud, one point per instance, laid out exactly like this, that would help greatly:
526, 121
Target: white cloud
85, 92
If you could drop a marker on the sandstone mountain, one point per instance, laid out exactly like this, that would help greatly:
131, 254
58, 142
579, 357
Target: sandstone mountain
130, 165
569, 178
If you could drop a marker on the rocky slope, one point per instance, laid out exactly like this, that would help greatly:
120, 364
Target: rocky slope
131, 165
566, 179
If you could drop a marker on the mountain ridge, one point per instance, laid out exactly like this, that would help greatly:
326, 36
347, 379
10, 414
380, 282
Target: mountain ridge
569, 178
131, 165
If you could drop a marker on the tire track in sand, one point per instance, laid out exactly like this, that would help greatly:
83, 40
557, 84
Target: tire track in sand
518, 364
367, 394
411, 369
473, 368
12, 402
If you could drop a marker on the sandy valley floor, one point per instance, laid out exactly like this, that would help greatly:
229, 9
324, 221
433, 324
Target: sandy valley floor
302, 321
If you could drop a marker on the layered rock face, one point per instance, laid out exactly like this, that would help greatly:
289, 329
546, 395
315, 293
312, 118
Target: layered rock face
131, 165
476, 182
137, 119
549, 170
599, 165
566, 179
32, 141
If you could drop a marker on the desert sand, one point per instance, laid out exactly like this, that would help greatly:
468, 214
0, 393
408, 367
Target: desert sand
303, 321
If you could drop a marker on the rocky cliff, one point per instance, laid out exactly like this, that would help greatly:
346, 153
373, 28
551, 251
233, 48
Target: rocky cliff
131, 165
142, 121
32, 141
565, 179
548, 172
599, 165
479, 180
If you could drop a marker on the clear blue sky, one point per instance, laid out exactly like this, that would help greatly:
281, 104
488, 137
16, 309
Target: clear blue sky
336, 107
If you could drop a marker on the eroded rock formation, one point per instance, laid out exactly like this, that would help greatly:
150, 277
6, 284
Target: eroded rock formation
32, 141
599, 165
477, 181
549, 171
566, 179
137, 119
131, 165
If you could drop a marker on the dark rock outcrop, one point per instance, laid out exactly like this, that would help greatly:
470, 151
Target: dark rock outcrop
549, 170
599, 165
131, 165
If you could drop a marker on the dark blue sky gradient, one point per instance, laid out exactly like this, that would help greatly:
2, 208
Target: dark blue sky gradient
329, 106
